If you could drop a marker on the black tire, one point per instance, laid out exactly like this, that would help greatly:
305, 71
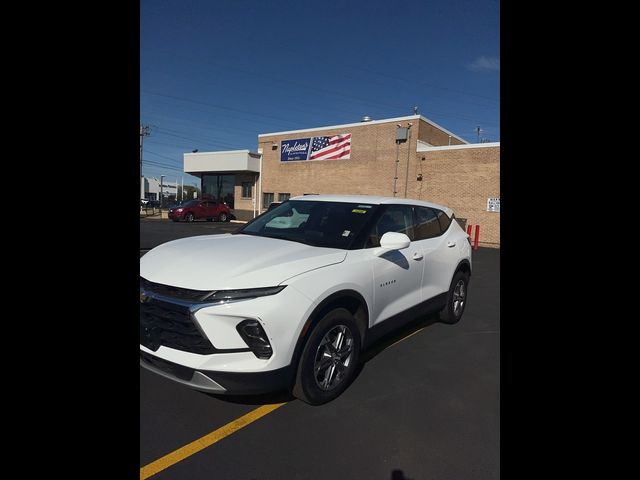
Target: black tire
222, 217
308, 385
456, 299
189, 217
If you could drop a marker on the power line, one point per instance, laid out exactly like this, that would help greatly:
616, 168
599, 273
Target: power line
334, 61
163, 156
164, 166
161, 164
190, 100
164, 132
431, 113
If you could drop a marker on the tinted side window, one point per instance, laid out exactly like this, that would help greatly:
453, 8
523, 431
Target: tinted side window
427, 225
444, 220
395, 218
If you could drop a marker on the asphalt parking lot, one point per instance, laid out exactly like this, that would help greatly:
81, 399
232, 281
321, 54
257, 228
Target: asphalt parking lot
424, 406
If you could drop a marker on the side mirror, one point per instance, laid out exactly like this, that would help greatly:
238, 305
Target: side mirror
394, 241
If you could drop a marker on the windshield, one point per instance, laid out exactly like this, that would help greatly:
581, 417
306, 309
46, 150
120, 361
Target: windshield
321, 224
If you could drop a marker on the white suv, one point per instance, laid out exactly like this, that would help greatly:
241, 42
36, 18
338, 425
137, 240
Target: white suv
289, 300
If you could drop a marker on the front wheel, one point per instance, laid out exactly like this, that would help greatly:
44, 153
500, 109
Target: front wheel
190, 217
222, 217
329, 359
456, 299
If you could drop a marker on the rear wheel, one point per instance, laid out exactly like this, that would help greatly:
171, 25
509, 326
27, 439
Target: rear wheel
329, 359
456, 299
190, 217
222, 217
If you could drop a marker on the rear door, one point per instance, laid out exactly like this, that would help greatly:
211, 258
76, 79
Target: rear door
438, 248
201, 210
212, 209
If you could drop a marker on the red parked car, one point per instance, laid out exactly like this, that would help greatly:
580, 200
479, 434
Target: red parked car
194, 209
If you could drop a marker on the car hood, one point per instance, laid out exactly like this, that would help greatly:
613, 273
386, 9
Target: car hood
221, 262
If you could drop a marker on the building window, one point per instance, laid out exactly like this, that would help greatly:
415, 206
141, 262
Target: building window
267, 199
247, 188
283, 197
218, 187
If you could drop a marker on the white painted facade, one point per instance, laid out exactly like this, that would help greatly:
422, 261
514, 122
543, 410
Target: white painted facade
152, 188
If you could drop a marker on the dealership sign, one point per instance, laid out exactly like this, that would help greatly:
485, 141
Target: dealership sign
336, 147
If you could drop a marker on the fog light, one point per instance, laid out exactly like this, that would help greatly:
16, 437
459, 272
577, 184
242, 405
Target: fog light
255, 337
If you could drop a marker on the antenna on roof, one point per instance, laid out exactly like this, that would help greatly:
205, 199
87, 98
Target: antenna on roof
415, 110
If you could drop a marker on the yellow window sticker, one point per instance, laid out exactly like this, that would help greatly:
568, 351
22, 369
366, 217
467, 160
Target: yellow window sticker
358, 210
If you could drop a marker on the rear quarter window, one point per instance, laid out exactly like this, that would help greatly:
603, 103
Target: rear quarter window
427, 225
444, 220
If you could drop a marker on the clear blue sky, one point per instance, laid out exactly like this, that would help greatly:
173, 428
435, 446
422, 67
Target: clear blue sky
215, 74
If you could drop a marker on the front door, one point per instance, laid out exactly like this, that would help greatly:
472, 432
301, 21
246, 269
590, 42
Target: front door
397, 273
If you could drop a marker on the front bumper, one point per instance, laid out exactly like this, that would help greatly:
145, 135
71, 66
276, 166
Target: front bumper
220, 382
223, 363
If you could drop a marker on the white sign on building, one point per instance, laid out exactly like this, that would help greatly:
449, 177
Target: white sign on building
167, 188
493, 204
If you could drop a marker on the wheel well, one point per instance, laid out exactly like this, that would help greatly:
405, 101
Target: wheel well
355, 306
464, 266
348, 299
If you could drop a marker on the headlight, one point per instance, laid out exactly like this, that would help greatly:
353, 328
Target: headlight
178, 209
226, 295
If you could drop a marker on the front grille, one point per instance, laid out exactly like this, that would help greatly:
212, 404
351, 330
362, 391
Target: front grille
168, 324
180, 371
177, 293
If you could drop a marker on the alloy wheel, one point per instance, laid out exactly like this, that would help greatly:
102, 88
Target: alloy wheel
333, 357
459, 297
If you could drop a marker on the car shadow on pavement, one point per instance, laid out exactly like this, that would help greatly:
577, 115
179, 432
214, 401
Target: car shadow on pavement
262, 399
398, 475
381, 343
394, 334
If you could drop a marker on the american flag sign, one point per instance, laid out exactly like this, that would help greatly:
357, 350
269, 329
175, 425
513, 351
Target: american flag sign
337, 147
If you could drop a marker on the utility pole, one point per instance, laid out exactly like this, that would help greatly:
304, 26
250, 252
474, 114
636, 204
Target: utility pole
395, 176
144, 132
406, 179
161, 190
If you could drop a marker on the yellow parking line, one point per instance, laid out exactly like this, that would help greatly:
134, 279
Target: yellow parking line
209, 439
206, 441
404, 338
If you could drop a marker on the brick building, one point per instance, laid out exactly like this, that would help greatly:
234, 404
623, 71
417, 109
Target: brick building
410, 156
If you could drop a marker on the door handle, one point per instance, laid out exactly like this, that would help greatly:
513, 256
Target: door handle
451, 244
417, 256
